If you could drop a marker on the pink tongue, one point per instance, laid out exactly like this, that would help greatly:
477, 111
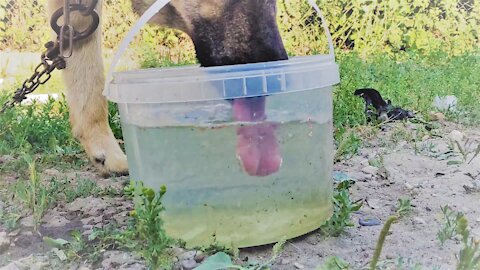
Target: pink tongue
257, 146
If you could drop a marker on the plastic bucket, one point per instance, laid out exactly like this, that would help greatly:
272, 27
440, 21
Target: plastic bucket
179, 131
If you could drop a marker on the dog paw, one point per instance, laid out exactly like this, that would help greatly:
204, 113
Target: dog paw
107, 156
112, 164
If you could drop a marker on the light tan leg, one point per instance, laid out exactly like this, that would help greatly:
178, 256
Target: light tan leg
84, 79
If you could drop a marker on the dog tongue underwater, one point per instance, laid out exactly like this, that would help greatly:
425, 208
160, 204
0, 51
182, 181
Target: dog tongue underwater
257, 146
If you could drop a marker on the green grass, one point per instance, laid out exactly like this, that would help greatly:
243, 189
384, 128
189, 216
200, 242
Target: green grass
10, 217
403, 209
144, 234
450, 224
411, 83
37, 128
43, 130
222, 260
148, 238
64, 190
456, 225
343, 207
32, 194
348, 144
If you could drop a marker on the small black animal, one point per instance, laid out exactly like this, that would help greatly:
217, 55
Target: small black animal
377, 108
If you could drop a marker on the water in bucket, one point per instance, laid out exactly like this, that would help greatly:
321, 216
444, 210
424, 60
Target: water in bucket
211, 198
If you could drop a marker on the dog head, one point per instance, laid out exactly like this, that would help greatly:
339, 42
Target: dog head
225, 31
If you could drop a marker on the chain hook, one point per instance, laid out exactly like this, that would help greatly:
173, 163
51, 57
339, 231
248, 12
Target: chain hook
66, 48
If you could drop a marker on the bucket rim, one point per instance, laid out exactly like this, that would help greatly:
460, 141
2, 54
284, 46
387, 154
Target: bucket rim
194, 83
195, 72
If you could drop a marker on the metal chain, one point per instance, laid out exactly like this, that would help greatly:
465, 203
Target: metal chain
54, 57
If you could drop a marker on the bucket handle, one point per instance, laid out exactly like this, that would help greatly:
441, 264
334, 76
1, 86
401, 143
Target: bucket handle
325, 28
156, 7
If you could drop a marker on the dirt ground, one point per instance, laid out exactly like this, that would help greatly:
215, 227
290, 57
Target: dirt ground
421, 175
409, 163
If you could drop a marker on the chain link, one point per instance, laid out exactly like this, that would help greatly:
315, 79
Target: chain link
54, 57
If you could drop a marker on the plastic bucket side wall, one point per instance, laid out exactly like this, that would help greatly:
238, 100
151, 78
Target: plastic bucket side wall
314, 104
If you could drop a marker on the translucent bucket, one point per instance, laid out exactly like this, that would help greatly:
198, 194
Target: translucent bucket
179, 131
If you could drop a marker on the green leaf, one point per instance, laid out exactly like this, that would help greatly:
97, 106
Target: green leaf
340, 177
163, 190
334, 263
477, 152
219, 261
357, 205
94, 235
58, 243
454, 162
